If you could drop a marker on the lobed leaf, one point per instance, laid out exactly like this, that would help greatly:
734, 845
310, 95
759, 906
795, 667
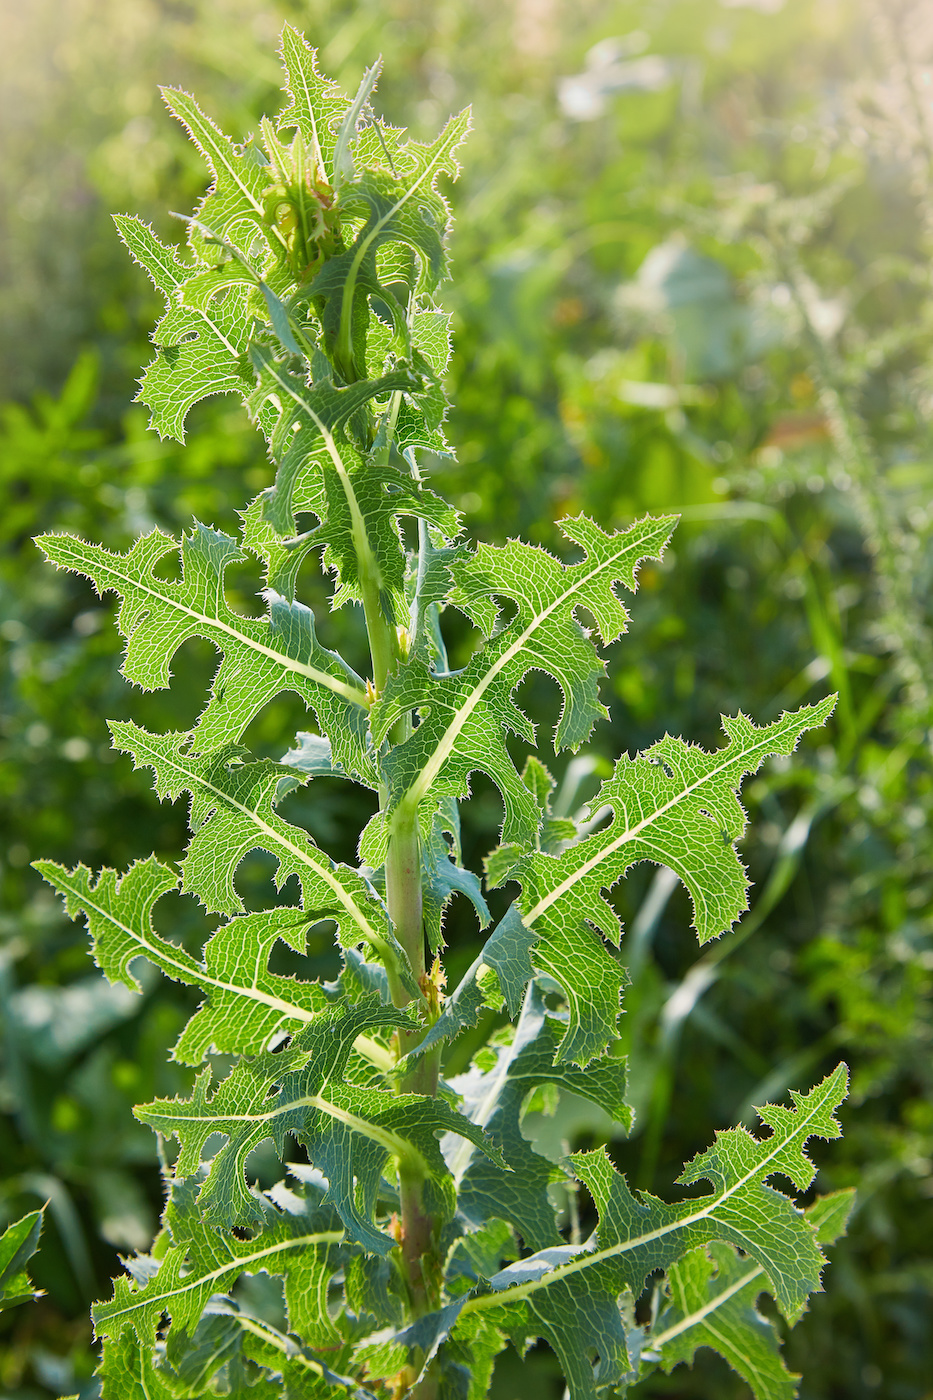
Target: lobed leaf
246, 1005
232, 813
18, 1244
199, 349
350, 1130
465, 716
675, 805
233, 206
316, 105
262, 657
357, 501
401, 205
300, 1242
713, 1292
712, 1295
570, 1296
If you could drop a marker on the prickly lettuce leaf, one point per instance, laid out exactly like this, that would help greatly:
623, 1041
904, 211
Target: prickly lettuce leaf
674, 805
401, 205
200, 349
18, 1244
262, 657
246, 1006
466, 716
571, 1296
232, 812
350, 1130
301, 1240
712, 1295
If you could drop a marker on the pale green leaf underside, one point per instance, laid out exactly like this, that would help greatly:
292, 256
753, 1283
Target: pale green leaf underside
494, 1101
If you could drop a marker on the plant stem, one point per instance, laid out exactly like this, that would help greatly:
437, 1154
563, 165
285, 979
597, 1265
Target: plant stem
419, 1261
403, 891
418, 1246
421, 1266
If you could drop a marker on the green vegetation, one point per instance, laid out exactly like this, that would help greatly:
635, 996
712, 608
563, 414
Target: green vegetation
690, 279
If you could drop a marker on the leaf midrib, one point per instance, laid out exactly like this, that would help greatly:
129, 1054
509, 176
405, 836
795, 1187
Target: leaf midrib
293, 38
393, 1143
414, 794
366, 560
241, 1263
349, 288
195, 974
630, 833
695, 1318
226, 799
524, 1290
217, 141
348, 692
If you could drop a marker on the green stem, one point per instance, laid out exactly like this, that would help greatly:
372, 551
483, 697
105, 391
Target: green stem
418, 1246
421, 1265
403, 891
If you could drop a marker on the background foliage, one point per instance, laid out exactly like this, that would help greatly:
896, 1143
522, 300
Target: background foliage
692, 273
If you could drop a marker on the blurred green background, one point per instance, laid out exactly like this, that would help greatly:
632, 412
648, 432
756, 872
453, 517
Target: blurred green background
691, 272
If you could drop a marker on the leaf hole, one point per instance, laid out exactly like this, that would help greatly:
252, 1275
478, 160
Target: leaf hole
169, 567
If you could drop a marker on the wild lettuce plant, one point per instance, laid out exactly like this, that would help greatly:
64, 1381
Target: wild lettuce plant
414, 1231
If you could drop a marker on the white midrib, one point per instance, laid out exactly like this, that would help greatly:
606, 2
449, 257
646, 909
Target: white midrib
346, 306
309, 100
193, 973
429, 772
523, 1290
364, 554
209, 321
198, 976
765, 746
267, 1333
695, 1318
348, 692
354, 911
396, 1146
240, 1264
221, 153
171, 273
465, 1152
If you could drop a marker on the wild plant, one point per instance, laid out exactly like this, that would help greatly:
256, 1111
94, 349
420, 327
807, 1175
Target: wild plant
413, 1231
